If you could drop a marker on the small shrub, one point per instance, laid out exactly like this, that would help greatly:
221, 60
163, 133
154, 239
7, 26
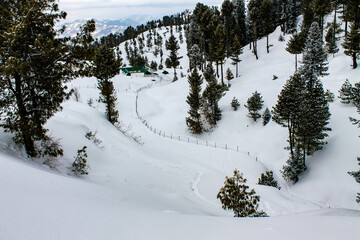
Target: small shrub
79, 165
153, 65
275, 77
161, 67
90, 102
345, 92
329, 96
235, 104
267, 179
182, 75
266, 116
235, 195
281, 38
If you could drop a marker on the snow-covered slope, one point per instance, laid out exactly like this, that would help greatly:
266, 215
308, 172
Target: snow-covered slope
167, 187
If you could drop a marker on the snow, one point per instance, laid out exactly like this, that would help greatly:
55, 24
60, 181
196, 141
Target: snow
166, 188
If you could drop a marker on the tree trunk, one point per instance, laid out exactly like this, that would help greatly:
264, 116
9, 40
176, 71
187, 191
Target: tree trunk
267, 43
237, 70
295, 62
24, 127
217, 68
255, 49
222, 74
354, 60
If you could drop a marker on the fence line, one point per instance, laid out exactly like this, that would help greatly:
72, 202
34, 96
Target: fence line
187, 139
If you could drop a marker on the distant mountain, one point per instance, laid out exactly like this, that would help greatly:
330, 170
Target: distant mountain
105, 27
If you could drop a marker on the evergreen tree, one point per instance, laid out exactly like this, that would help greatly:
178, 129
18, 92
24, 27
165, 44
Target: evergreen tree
217, 45
296, 45
107, 67
236, 51
254, 105
329, 96
345, 92
195, 57
314, 61
321, 8
352, 45
266, 116
227, 9
240, 18
34, 64
235, 104
254, 23
268, 22
356, 175
173, 46
193, 99
287, 111
295, 166
235, 195
267, 179
229, 76
79, 165
331, 39
211, 96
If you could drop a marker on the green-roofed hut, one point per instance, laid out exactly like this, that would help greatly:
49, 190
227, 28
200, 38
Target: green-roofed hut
129, 70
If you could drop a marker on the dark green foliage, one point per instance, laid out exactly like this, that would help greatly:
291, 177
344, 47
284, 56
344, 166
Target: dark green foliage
329, 96
153, 65
34, 66
268, 25
321, 8
355, 95
356, 175
306, 114
173, 59
79, 165
235, 52
211, 96
229, 76
107, 67
345, 93
193, 99
266, 116
235, 195
235, 104
254, 105
295, 166
229, 21
267, 179
352, 45
296, 45
331, 38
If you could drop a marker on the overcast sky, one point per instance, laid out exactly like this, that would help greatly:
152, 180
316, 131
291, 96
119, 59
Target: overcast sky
118, 9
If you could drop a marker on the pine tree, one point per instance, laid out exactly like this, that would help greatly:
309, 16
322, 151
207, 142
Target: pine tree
235, 195
287, 111
193, 99
227, 9
331, 40
254, 105
173, 46
345, 92
352, 45
267, 179
321, 8
268, 22
329, 96
254, 23
217, 47
266, 116
229, 76
195, 57
314, 61
211, 97
107, 67
80, 166
235, 104
295, 166
34, 65
240, 18
296, 45
356, 175
236, 51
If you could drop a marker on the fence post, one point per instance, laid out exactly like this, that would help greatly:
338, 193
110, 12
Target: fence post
197, 142
188, 139
171, 136
226, 146
206, 143
155, 131
215, 144
179, 138
237, 148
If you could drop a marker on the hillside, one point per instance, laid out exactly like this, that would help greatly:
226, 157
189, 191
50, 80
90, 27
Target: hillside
167, 187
